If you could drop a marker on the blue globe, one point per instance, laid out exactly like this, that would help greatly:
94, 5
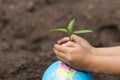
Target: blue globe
60, 71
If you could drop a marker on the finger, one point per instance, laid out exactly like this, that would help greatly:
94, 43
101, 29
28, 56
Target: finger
69, 44
63, 40
61, 48
76, 38
84, 43
61, 59
59, 55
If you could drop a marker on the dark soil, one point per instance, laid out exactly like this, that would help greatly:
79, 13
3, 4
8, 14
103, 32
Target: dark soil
26, 44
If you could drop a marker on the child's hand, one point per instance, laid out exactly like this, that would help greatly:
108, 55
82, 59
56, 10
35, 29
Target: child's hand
81, 41
80, 55
78, 40
76, 54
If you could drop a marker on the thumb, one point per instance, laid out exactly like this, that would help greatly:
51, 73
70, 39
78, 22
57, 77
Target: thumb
77, 39
84, 43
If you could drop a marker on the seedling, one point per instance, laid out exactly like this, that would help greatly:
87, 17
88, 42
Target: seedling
69, 29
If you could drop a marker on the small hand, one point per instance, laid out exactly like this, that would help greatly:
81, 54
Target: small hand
73, 54
83, 43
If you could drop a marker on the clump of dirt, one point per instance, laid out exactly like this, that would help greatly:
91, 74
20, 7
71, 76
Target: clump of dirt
26, 43
108, 32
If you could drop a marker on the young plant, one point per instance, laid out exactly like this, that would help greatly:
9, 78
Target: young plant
69, 29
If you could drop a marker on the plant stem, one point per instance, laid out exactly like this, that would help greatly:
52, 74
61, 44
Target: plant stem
70, 37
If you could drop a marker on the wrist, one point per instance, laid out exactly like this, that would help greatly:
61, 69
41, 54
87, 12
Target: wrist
89, 60
95, 51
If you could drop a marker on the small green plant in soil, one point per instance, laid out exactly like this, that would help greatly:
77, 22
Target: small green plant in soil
69, 29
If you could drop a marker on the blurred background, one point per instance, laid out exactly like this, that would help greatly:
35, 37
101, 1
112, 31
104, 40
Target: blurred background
26, 43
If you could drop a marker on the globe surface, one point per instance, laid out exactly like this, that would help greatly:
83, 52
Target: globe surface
60, 71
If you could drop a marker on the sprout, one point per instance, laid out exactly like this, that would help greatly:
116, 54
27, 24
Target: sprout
69, 29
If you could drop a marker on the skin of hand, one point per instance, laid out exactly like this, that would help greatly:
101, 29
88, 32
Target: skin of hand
76, 55
80, 55
104, 51
83, 43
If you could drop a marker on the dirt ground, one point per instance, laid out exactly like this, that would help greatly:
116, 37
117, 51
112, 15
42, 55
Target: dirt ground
26, 44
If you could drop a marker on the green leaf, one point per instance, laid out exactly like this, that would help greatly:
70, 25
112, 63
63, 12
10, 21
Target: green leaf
82, 31
59, 30
71, 24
